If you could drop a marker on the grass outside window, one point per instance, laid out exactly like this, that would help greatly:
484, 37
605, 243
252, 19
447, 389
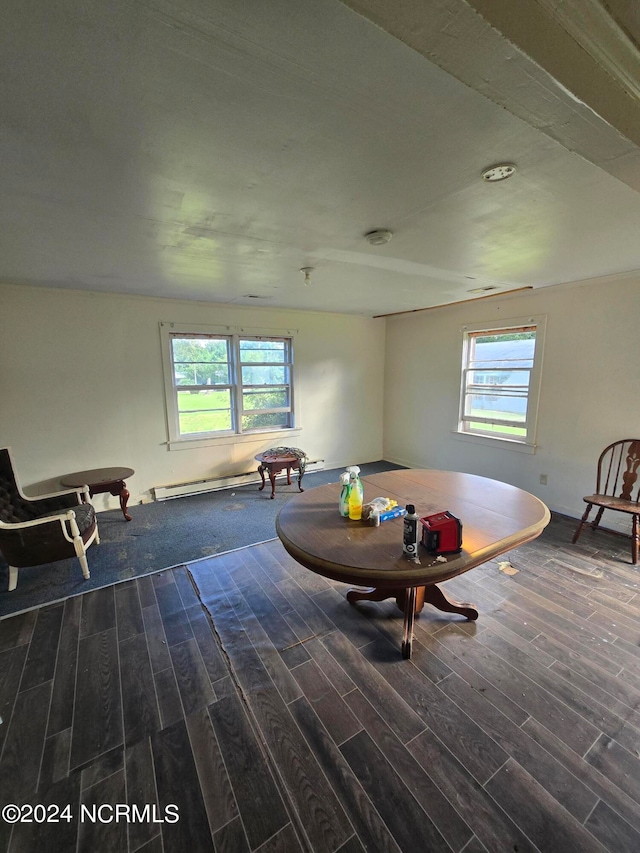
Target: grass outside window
225, 384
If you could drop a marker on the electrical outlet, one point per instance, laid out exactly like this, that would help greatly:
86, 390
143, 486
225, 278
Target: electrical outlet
543, 479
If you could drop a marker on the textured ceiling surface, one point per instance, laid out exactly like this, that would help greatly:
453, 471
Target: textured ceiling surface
209, 151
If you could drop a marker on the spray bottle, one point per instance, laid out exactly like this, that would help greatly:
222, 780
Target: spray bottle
344, 495
353, 469
355, 497
410, 533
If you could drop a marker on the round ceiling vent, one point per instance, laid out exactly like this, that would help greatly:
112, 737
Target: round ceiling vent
378, 237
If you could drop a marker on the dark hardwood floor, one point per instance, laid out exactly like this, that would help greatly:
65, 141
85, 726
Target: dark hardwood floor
246, 696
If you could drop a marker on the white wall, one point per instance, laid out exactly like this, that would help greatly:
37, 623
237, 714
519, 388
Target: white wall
589, 394
81, 386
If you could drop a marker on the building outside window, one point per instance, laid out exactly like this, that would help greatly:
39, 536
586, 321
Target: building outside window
501, 369
226, 384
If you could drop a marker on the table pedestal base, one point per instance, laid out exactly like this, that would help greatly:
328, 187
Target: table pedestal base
411, 601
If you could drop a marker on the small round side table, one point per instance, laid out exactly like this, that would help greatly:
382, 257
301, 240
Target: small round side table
100, 480
275, 461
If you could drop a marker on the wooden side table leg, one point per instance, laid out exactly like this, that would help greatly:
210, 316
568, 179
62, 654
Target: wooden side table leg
119, 490
272, 477
124, 497
261, 472
288, 475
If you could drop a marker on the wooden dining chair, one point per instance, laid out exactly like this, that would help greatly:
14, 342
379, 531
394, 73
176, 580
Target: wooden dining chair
617, 488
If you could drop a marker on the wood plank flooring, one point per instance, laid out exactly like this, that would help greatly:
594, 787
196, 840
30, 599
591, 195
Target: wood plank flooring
246, 696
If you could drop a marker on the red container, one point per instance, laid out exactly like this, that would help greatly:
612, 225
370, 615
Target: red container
442, 533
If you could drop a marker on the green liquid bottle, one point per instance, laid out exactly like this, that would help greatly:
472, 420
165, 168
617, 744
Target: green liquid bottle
344, 495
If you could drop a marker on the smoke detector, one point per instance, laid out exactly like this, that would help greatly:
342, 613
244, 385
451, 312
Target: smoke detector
499, 172
378, 237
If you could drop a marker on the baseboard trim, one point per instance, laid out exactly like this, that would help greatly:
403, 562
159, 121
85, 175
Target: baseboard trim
216, 484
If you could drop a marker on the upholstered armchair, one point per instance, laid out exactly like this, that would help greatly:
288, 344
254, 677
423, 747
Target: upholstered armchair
52, 527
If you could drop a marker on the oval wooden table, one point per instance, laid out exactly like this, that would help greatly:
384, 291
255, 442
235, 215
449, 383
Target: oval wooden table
495, 516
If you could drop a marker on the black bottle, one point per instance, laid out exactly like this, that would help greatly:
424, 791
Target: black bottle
410, 535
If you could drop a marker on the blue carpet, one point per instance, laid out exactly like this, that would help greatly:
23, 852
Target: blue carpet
161, 535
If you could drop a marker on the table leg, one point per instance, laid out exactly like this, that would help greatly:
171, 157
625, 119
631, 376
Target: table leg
120, 490
409, 616
261, 472
272, 477
410, 601
369, 594
124, 498
373, 593
436, 596
401, 599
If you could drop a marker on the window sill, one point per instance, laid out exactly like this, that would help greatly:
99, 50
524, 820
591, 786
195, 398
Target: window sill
279, 437
497, 443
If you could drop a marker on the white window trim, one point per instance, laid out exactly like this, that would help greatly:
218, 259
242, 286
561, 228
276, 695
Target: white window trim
524, 445
279, 437
177, 442
495, 442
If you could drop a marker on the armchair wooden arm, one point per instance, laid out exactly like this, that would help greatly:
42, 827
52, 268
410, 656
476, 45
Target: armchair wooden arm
44, 529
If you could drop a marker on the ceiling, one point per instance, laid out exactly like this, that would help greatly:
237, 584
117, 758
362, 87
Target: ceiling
210, 149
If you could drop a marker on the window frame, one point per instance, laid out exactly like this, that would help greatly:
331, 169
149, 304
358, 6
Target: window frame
527, 442
235, 385
241, 386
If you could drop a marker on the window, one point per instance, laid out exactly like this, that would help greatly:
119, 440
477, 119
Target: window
226, 384
500, 381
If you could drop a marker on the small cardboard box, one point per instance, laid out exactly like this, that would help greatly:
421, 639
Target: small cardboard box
396, 512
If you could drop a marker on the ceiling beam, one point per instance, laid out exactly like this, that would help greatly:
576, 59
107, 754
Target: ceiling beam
571, 70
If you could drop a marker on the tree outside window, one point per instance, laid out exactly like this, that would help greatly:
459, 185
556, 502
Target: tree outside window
225, 384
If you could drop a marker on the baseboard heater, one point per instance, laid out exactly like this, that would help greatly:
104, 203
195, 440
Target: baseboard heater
180, 490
